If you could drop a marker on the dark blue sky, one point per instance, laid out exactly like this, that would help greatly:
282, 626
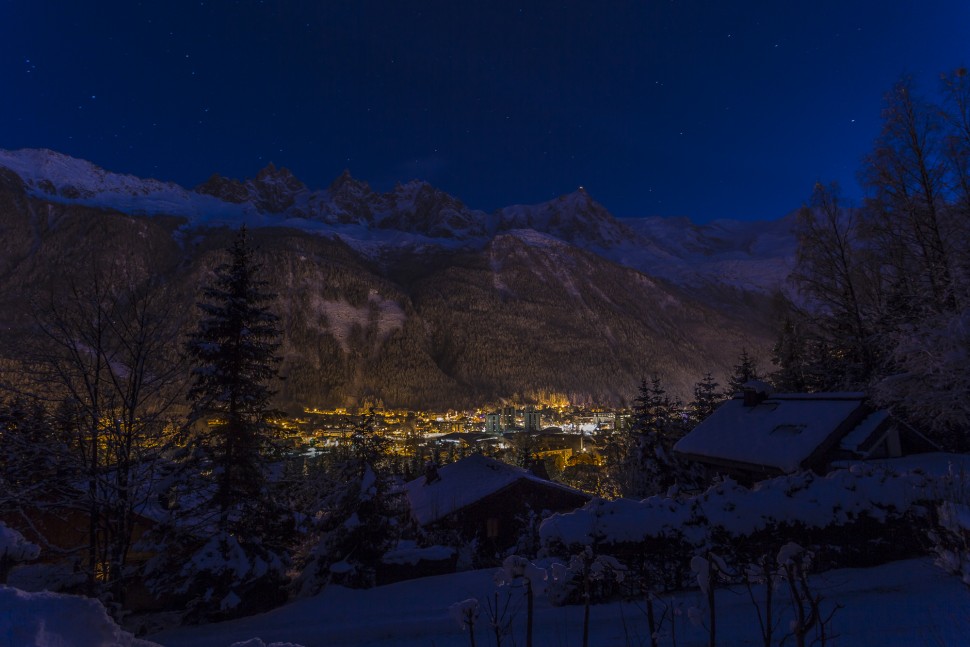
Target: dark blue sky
705, 109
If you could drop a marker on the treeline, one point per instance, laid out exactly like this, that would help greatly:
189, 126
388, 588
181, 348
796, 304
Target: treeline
887, 286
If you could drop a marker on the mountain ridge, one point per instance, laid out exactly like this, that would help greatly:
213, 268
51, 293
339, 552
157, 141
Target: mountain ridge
751, 255
412, 298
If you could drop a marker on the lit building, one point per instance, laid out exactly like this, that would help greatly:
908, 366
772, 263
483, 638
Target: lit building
493, 423
508, 417
531, 419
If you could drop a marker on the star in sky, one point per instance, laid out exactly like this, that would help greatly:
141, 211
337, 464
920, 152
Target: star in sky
725, 110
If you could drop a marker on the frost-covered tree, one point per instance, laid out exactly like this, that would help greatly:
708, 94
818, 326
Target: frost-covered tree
644, 464
360, 517
887, 284
789, 355
928, 380
104, 361
834, 272
907, 211
956, 118
808, 361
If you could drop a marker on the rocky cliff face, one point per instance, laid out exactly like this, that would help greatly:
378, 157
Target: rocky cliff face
409, 297
272, 191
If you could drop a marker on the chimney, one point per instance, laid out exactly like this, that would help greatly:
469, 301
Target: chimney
755, 392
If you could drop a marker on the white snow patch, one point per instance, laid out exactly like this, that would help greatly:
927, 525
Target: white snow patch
14, 547
342, 317
407, 552
48, 619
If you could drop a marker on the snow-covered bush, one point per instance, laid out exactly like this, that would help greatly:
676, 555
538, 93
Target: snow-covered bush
794, 563
516, 570
62, 577
764, 572
586, 578
14, 549
220, 578
950, 536
708, 569
519, 571
852, 509
952, 539
465, 614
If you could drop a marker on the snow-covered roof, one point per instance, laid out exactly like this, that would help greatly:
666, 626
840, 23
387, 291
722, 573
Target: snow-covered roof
463, 483
854, 440
781, 432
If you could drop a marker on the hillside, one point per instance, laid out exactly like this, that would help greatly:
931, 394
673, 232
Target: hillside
410, 297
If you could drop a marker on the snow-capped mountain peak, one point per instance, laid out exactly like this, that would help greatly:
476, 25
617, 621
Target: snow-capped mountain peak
416, 214
55, 174
574, 217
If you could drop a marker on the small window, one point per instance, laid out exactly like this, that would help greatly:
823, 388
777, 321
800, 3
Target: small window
491, 528
787, 430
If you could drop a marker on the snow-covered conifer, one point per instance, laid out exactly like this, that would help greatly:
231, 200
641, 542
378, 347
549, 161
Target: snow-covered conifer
224, 544
360, 518
706, 399
744, 371
643, 463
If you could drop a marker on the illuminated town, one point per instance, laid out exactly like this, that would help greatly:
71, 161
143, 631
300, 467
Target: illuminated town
558, 436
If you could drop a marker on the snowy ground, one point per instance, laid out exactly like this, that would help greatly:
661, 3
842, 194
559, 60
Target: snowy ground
901, 604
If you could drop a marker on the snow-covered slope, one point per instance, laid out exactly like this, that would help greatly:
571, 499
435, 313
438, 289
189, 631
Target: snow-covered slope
755, 255
896, 605
57, 177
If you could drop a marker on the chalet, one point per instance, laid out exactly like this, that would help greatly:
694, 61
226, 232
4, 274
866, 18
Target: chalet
757, 435
483, 498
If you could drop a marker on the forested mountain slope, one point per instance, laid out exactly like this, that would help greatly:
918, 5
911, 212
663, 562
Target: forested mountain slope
409, 297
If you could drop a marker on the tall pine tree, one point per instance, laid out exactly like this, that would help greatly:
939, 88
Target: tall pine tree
224, 547
706, 400
234, 361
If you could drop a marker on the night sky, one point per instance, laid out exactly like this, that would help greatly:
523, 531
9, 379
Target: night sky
704, 109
